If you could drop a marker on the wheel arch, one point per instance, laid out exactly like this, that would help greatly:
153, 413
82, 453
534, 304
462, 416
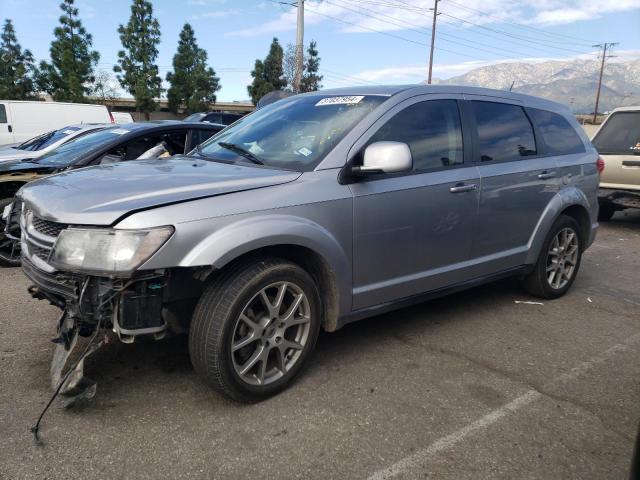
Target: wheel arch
296, 239
570, 201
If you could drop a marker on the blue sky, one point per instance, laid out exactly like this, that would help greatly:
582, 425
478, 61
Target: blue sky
360, 41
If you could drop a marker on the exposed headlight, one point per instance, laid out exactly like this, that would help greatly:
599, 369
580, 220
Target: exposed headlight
106, 251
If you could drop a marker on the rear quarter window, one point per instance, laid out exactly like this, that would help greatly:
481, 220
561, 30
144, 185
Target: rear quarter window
620, 134
558, 136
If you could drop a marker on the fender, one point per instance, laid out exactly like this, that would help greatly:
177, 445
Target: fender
243, 236
567, 197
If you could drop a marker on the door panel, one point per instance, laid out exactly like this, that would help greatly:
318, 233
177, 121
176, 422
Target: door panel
412, 232
517, 183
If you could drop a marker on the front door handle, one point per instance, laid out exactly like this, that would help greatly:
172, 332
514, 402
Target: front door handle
546, 175
9, 128
462, 187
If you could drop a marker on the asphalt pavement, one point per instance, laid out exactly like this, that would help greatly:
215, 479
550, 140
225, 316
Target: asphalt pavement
472, 386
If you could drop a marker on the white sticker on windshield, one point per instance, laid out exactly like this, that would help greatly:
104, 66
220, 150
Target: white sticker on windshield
68, 132
350, 100
118, 131
304, 151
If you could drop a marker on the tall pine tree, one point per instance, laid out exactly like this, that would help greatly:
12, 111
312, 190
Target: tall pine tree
268, 74
17, 69
138, 73
70, 73
193, 84
310, 81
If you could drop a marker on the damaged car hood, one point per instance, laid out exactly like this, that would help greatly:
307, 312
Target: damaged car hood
101, 195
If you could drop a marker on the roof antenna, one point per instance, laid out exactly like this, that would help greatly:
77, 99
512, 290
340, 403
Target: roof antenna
512, 84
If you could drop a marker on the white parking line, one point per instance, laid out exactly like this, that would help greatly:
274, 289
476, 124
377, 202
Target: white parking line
492, 417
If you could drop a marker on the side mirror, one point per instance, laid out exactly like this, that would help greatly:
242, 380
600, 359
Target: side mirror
386, 157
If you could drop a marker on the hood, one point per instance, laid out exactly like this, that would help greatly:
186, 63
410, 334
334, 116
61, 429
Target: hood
16, 166
101, 195
8, 153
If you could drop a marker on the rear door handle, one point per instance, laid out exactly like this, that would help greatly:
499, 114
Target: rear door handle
546, 175
461, 188
9, 128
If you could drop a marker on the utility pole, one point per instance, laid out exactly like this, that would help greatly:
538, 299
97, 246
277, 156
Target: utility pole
605, 46
299, 46
433, 38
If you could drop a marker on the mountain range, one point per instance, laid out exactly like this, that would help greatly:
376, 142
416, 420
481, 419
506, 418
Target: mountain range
572, 82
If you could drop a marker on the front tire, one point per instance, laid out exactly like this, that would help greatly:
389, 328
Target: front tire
254, 328
9, 249
558, 262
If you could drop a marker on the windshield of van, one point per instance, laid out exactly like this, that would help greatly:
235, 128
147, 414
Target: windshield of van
620, 134
76, 149
45, 140
293, 134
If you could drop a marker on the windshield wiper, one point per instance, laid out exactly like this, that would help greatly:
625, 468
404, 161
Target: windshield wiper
241, 151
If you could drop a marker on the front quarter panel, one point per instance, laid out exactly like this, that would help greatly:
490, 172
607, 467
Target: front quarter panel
313, 212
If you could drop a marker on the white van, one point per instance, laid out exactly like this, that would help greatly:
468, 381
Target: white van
122, 117
22, 120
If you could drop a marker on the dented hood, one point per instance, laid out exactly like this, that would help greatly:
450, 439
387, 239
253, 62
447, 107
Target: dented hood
101, 195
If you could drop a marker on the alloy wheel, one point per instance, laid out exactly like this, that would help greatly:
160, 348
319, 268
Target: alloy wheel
271, 333
562, 258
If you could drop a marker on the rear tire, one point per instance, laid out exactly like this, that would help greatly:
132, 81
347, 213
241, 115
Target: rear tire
605, 212
233, 326
9, 250
558, 262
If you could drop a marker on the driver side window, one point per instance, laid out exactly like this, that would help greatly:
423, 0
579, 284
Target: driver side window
433, 131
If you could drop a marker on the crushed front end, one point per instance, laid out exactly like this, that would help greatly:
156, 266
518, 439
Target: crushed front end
95, 305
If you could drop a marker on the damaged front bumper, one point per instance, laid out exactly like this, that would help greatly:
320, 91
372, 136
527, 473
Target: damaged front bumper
92, 306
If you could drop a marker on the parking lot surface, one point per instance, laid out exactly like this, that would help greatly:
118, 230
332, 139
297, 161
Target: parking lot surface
474, 385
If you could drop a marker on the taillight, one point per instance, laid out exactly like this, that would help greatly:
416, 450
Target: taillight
113, 120
600, 165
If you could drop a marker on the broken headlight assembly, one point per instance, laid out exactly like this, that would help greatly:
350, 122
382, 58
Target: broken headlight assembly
109, 252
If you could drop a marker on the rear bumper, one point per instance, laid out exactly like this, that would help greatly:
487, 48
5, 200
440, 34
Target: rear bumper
620, 197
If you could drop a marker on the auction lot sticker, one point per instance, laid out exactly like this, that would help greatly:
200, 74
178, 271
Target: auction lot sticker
350, 100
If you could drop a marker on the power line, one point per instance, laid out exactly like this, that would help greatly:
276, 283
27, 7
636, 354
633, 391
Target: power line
426, 31
582, 43
421, 11
392, 35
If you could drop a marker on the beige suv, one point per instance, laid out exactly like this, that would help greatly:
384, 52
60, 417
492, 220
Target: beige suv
618, 142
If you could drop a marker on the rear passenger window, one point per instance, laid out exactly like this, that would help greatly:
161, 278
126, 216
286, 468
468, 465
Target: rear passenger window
3, 114
559, 137
504, 132
431, 129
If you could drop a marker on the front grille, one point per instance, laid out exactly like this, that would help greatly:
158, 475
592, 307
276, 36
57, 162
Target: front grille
46, 227
55, 283
40, 252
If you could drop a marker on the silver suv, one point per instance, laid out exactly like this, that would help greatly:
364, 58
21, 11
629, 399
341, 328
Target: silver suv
316, 211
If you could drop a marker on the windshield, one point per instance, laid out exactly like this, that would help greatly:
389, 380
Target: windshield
43, 141
293, 134
620, 134
75, 150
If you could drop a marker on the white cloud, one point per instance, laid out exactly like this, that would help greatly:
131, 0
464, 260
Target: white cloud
214, 14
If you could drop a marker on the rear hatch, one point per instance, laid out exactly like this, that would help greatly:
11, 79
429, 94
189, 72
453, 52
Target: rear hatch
618, 142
